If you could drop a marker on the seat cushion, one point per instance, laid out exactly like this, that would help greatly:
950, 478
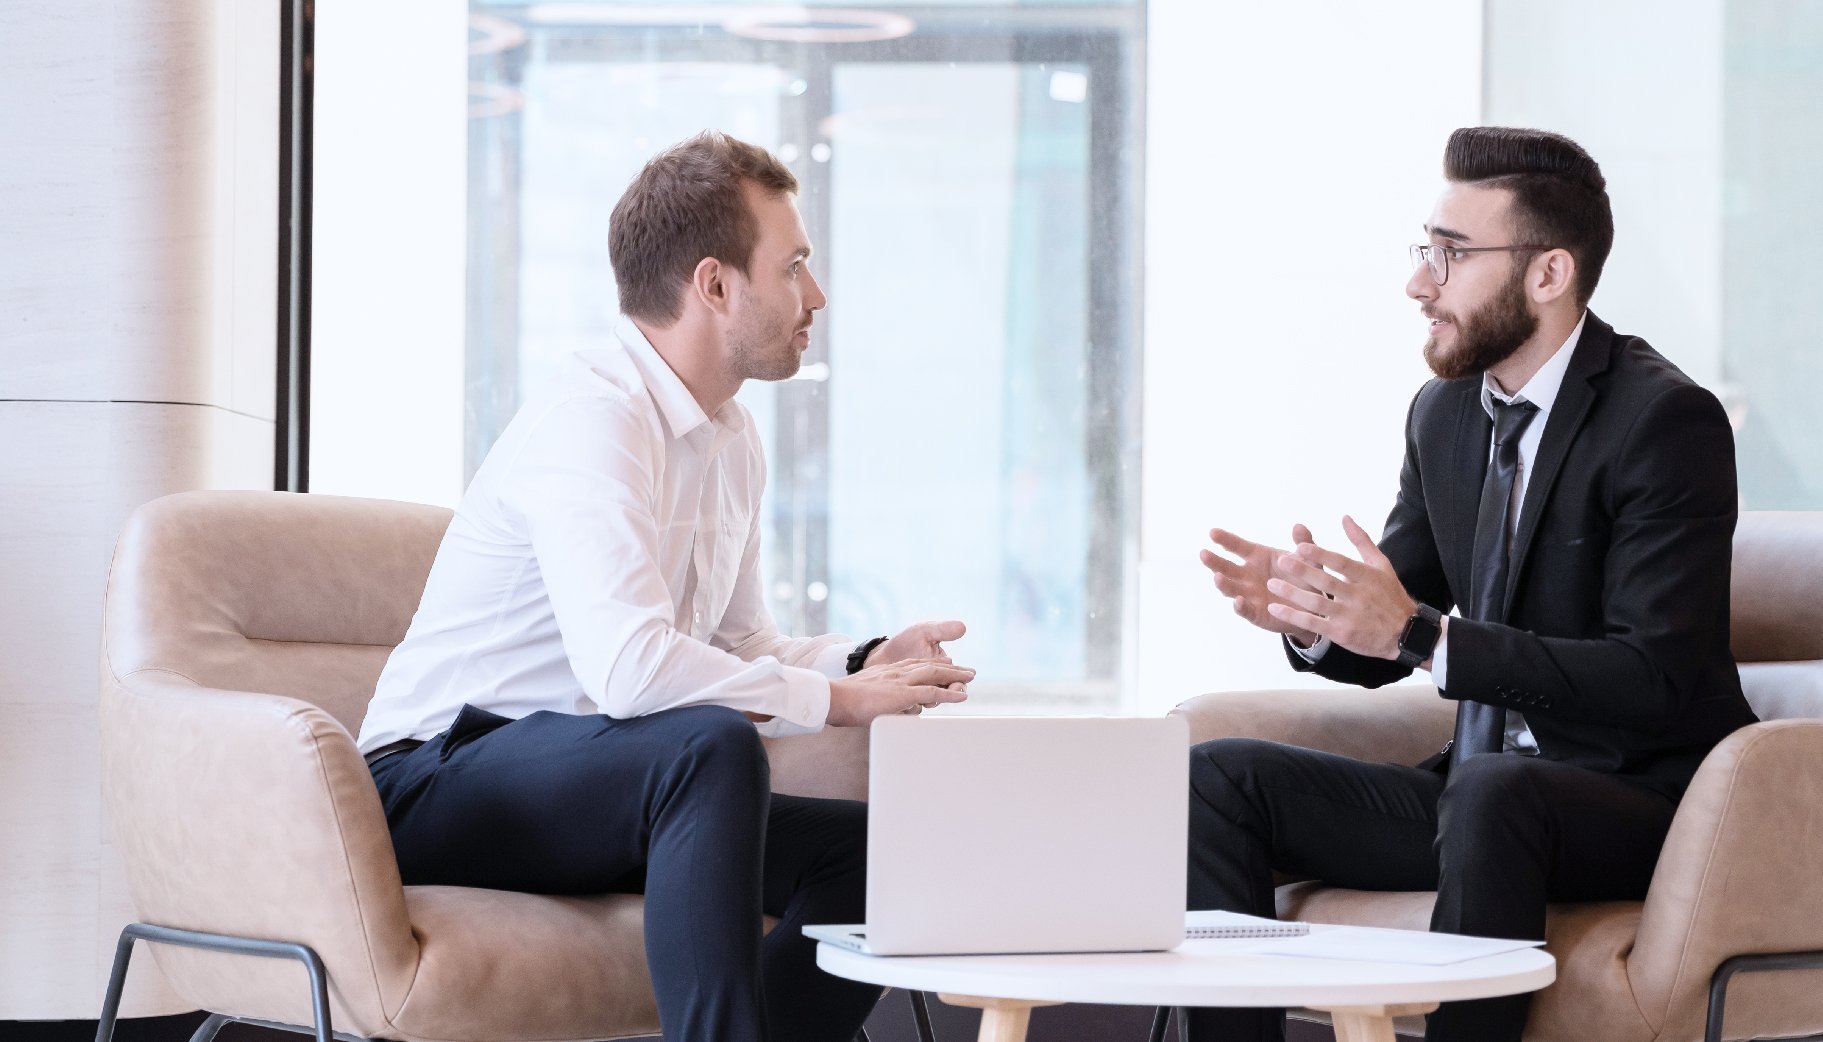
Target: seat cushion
1592, 998
499, 965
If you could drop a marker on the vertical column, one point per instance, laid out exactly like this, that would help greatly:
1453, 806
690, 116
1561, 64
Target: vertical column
138, 215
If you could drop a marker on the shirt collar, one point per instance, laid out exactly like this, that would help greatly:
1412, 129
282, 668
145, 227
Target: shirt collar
675, 402
1541, 390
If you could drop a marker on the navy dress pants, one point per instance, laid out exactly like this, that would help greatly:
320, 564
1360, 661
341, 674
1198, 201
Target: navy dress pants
1497, 839
677, 806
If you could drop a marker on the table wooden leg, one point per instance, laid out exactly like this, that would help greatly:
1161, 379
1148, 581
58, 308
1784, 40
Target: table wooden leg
1002, 1020
1370, 1023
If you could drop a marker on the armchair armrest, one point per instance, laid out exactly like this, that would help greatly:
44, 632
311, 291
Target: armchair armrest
1738, 875
830, 764
253, 815
1390, 724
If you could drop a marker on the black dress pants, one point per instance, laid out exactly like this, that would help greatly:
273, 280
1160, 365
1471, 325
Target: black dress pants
675, 805
1497, 839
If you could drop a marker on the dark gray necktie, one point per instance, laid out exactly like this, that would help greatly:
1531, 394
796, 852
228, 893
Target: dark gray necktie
1480, 727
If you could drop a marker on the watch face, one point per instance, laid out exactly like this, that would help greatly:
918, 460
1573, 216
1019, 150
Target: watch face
1420, 636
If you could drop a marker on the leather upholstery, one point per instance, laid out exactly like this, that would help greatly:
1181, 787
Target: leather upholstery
243, 635
1738, 871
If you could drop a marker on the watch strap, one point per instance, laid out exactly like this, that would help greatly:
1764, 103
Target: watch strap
1420, 637
857, 659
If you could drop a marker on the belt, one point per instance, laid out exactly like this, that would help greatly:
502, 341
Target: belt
403, 745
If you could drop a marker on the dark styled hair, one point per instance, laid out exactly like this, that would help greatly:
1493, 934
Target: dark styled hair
1560, 198
687, 203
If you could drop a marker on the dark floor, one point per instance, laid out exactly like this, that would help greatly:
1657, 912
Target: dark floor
891, 1022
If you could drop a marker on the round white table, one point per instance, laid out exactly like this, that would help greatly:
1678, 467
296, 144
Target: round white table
1361, 997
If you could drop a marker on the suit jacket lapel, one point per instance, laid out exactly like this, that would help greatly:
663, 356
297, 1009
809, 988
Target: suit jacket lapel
1574, 399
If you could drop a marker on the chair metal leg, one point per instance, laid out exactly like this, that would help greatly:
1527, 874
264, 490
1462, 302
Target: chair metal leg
1718, 983
117, 979
205, 1032
216, 942
920, 1005
1160, 1020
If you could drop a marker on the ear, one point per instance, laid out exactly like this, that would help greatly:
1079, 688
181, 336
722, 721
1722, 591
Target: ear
1552, 277
709, 285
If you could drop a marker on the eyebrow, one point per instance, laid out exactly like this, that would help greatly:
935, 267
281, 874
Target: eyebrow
1446, 233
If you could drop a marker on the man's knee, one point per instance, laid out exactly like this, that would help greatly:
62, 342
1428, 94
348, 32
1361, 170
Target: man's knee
1492, 780
1488, 798
1238, 764
722, 740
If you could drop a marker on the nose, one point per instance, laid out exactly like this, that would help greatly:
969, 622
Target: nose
1421, 286
815, 300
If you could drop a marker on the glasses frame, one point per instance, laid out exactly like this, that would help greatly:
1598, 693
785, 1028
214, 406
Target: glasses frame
1422, 252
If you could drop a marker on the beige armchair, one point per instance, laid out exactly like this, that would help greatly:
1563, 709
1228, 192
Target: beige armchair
242, 638
1739, 875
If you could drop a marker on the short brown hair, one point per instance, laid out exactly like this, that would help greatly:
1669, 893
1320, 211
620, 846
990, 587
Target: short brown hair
688, 203
1560, 198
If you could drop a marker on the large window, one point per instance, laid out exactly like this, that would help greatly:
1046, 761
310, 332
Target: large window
961, 441
965, 442
1709, 126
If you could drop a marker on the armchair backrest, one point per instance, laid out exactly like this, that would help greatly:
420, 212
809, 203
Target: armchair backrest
296, 595
1777, 609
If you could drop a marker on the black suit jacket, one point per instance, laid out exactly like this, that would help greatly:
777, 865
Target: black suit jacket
1616, 641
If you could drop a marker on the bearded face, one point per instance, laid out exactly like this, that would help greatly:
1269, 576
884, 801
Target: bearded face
765, 344
1487, 336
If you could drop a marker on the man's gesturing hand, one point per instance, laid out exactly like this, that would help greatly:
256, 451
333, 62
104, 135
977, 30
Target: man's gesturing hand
896, 687
1360, 605
1245, 582
921, 640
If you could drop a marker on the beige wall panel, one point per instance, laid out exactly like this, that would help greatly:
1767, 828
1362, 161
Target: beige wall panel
106, 184
54, 233
80, 468
49, 763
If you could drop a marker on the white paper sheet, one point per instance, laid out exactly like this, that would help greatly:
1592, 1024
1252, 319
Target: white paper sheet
1370, 944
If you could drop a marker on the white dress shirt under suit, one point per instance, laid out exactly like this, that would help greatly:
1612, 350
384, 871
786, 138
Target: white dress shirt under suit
605, 559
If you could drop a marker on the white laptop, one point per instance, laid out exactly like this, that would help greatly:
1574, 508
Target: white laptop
1012, 835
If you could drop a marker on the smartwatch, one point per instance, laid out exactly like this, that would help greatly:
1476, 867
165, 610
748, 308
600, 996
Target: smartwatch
857, 659
1420, 636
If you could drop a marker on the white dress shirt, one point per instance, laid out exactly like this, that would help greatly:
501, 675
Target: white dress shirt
1541, 390
605, 559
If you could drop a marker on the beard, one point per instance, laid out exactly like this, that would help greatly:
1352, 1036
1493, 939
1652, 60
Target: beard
761, 353
1487, 337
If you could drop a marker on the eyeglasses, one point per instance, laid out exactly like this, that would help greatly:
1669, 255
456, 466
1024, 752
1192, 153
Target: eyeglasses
1437, 256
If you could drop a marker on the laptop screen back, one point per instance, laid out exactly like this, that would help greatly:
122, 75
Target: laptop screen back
1026, 835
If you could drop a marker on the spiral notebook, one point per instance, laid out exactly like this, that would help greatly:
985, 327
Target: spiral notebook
1212, 925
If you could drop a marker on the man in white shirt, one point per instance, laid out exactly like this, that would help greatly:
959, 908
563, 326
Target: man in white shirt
578, 703
1573, 494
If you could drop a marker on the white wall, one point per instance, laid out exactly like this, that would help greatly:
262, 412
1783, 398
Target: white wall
390, 238
1293, 151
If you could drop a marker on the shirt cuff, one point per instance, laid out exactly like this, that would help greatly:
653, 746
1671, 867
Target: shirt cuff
1440, 656
807, 704
832, 661
1312, 654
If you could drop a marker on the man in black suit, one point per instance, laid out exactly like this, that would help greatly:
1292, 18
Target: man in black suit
1572, 494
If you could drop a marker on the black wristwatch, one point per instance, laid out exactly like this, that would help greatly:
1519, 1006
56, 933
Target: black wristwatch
857, 659
1420, 636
